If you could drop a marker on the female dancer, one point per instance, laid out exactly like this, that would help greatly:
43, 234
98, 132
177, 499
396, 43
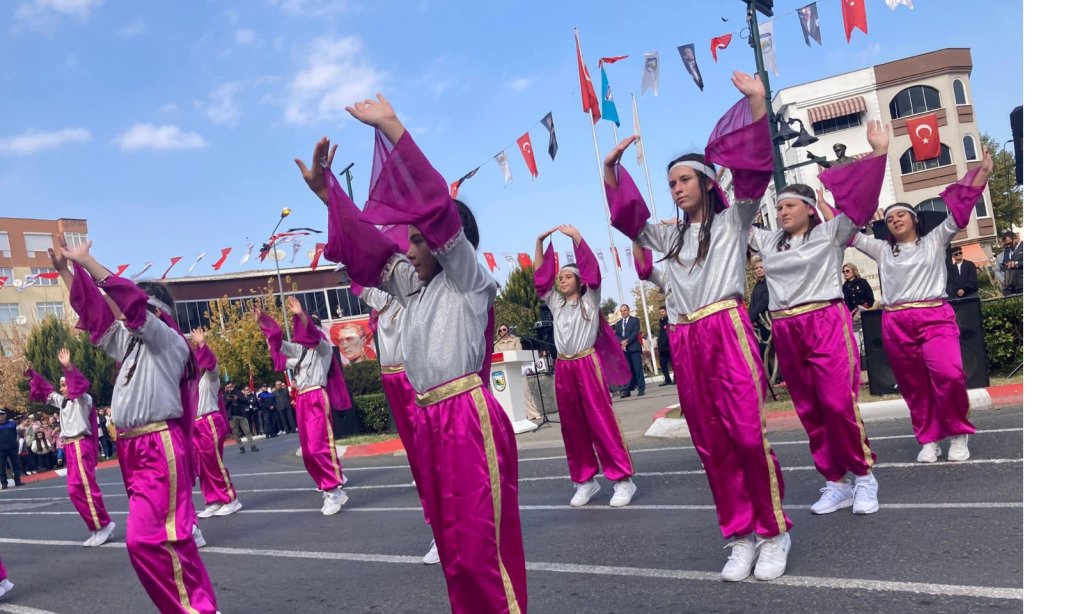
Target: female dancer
587, 420
209, 434
918, 325
720, 379
5, 584
811, 327
80, 448
468, 461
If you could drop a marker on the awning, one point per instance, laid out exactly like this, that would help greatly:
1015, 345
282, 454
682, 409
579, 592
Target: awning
974, 253
837, 109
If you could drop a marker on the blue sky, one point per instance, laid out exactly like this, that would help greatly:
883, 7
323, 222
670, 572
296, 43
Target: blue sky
171, 127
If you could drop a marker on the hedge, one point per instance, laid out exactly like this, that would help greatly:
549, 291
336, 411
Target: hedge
373, 412
1003, 322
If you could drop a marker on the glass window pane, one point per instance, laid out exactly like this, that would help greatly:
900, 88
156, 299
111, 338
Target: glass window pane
933, 100
981, 208
958, 92
969, 148
918, 102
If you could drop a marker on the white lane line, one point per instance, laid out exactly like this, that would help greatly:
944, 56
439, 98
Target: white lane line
984, 592
21, 609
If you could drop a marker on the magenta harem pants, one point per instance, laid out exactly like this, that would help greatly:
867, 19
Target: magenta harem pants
469, 464
316, 436
215, 481
721, 384
819, 360
3, 572
587, 420
81, 454
923, 346
157, 468
402, 404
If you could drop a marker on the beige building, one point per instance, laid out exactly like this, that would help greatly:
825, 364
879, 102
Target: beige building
23, 245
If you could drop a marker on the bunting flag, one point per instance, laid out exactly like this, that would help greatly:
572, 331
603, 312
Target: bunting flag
454, 187
586, 86
34, 278
570, 257
490, 259
811, 28
296, 245
3, 281
719, 42
319, 249
688, 56
263, 252
510, 261
612, 60
121, 269
894, 3
650, 72
628, 257
200, 257
501, 159
556, 260
246, 256
616, 258
147, 266
608, 107
526, 147
925, 140
854, 16
601, 259
767, 47
222, 258
640, 154
553, 146
525, 261
173, 261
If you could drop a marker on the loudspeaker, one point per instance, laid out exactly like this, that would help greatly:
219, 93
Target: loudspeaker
1017, 126
346, 423
973, 353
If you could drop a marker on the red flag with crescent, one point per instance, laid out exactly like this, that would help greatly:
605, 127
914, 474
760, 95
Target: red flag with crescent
526, 146
173, 261
319, 249
222, 258
854, 16
586, 86
490, 259
121, 269
616, 257
525, 260
924, 137
720, 42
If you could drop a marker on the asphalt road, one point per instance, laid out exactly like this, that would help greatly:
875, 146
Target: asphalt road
948, 538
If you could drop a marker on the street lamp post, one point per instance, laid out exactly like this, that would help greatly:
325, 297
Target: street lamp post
279, 283
1009, 189
347, 172
754, 42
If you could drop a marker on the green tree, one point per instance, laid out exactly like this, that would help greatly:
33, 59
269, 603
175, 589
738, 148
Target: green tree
47, 338
655, 299
237, 340
609, 306
12, 365
518, 302
1006, 195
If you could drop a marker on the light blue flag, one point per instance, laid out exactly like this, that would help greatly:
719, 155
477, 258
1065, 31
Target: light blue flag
608, 107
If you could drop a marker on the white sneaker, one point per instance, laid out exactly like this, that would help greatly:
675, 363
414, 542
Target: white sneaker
865, 494
742, 558
5, 586
198, 537
230, 508
210, 511
834, 496
929, 453
584, 492
622, 493
414, 483
334, 500
958, 448
100, 536
432, 556
773, 557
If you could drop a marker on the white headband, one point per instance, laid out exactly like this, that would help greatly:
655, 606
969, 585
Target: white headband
160, 305
574, 268
900, 207
703, 168
804, 199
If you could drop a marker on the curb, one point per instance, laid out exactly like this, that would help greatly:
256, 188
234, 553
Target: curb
979, 399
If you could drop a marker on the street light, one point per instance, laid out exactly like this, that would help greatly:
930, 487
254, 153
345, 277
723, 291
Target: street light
1009, 189
271, 245
347, 172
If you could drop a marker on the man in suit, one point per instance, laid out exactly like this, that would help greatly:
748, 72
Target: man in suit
1012, 265
627, 329
663, 345
963, 282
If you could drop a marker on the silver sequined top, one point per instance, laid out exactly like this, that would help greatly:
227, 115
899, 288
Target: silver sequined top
74, 414
574, 323
153, 393
390, 314
657, 278
442, 334
809, 271
721, 274
209, 393
918, 273
315, 366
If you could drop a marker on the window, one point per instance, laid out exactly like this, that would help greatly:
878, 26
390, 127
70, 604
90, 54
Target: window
932, 204
6, 272
313, 302
75, 238
5, 245
37, 242
969, 148
981, 208
51, 309
42, 281
837, 123
915, 100
343, 304
8, 312
958, 92
908, 163
192, 314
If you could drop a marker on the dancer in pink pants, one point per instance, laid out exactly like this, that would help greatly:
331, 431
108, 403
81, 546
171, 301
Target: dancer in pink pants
209, 434
587, 363
811, 327
720, 379
77, 414
920, 330
5, 584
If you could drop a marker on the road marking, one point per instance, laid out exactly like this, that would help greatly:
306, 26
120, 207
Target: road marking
955, 590
21, 609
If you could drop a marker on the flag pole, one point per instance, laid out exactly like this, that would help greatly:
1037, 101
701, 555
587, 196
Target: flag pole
646, 165
639, 282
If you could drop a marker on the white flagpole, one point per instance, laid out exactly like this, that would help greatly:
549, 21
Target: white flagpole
646, 164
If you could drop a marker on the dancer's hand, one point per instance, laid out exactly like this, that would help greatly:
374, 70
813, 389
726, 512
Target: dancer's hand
571, 231
295, 306
378, 114
878, 133
752, 88
315, 175
65, 357
198, 336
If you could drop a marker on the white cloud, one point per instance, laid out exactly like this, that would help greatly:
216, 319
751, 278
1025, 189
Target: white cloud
333, 78
147, 136
133, 28
519, 84
38, 10
309, 8
220, 106
169, 107
245, 37
32, 141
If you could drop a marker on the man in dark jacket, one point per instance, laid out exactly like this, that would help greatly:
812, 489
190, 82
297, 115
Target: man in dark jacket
663, 345
627, 329
9, 450
236, 413
759, 302
962, 280
268, 412
283, 407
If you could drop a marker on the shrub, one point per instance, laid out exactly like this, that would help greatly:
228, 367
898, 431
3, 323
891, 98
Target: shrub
1003, 321
373, 412
363, 377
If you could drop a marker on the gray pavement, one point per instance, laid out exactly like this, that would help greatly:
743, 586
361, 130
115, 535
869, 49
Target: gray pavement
948, 537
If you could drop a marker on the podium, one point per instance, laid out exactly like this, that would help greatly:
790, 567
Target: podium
509, 386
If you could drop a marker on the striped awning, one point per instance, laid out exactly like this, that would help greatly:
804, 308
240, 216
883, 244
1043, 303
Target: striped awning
837, 109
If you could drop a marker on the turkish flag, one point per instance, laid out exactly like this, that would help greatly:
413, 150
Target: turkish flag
720, 42
319, 249
121, 269
454, 189
925, 140
490, 259
173, 261
524, 260
526, 146
3, 281
616, 257
222, 258
854, 16
589, 97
